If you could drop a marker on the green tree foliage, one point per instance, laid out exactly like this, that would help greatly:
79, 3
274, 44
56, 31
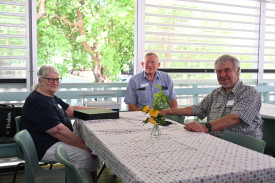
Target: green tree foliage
95, 35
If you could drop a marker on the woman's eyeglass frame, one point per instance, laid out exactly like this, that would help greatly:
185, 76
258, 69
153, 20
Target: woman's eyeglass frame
52, 80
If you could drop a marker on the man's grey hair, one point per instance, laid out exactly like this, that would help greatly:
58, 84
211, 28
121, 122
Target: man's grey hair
43, 71
222, 59
150, 54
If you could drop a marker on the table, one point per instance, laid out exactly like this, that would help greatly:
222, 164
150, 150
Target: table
127, 148
267, 111
268, 115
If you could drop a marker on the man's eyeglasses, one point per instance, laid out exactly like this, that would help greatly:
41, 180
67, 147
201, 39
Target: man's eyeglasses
150, 62
52, 80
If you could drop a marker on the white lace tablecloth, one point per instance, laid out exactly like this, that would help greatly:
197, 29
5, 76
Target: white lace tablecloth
127, 148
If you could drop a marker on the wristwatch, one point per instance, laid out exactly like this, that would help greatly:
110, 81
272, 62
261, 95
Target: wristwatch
208, 126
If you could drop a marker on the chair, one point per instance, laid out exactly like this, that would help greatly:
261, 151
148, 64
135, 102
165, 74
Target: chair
72, 174
177, 118
269, 135
19, 153
245, 141
34, 173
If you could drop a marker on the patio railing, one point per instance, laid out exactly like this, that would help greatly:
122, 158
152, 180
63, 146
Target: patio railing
72, 93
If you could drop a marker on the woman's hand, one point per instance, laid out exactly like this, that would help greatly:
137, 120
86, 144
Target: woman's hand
90, 151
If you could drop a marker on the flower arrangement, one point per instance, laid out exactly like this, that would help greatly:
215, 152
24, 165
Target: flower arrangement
160, 102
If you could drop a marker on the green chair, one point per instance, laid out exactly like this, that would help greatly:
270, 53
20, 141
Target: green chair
17, 120
269, 135
19, 153
177, 118
72, 174
245, 141
34, 173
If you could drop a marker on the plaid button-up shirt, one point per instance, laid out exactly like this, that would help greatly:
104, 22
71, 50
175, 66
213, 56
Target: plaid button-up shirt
242, 100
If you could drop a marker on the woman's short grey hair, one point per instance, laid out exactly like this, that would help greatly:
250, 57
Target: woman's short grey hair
222, 59
43, 71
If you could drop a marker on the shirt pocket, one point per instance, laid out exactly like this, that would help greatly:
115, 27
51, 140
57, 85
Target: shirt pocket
142, 97
216, 111
165, 90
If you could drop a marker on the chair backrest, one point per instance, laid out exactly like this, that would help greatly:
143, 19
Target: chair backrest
71, 172
245, 141
24, 140
177, 118
34, 173
18, 124
17, 120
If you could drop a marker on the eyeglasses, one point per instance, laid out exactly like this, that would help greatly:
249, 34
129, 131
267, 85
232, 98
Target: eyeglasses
52, 80
227, 70
150, 62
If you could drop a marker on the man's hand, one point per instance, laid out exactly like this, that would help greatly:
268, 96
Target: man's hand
164, 111
196, 127
133, 107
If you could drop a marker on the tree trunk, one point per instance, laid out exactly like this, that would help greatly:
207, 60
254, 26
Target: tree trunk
97, 68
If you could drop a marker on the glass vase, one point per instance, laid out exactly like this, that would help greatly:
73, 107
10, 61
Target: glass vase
155, 132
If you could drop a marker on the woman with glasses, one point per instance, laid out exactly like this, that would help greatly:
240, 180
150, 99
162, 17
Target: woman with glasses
46, 117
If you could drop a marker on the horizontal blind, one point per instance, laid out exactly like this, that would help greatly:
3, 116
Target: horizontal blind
269, 40
13, 40
193, 34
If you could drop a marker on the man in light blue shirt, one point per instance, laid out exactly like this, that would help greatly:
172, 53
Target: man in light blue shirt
141, 87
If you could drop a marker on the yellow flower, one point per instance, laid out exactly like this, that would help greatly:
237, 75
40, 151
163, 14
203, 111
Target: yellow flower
151, 120
153, 112
146, 108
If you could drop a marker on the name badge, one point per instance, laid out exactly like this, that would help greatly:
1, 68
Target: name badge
59, 106
230, 103
144, 85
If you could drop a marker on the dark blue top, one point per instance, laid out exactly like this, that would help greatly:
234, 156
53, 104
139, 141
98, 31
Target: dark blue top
41, 113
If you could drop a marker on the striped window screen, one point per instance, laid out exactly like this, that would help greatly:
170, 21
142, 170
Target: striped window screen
269, 41
189, 35
14, 42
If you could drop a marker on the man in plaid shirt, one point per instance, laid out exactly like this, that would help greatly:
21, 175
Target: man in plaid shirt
233, 107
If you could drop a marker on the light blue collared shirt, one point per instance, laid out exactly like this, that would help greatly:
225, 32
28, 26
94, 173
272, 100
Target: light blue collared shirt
140, 89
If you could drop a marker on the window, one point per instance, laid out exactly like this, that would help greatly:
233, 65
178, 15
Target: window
190, 35
15, 45
269, 41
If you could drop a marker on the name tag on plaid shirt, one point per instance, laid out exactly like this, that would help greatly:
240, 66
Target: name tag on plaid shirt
230, 103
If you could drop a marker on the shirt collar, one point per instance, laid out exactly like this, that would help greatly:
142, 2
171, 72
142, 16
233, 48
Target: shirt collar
234, 89
237, 85
157, 75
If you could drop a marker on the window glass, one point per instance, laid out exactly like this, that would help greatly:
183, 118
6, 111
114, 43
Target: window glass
12, 8
15, 74
14, 45
12, 19
13, 30
193, 34
270, 39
